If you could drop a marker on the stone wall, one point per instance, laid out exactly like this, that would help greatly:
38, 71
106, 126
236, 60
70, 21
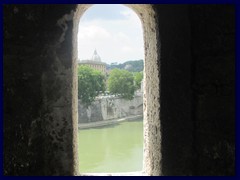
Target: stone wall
38, 126
194, 73
197, 65
108, 108
175, 92
213, 88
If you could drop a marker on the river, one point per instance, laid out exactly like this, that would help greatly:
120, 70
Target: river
112, 148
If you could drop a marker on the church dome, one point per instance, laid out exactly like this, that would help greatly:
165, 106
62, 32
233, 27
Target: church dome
96, 57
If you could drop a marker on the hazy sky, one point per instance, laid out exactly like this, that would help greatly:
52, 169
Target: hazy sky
114, 30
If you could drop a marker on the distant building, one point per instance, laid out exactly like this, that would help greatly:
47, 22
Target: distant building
95, 63
114, 63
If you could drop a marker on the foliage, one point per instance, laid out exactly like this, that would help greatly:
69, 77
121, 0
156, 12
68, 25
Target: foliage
90, 83
132, 66
138, 76
121, 82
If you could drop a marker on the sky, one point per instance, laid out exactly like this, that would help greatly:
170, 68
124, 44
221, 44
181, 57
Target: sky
115, 31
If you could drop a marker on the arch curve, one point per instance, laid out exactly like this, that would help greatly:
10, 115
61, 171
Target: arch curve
151, 105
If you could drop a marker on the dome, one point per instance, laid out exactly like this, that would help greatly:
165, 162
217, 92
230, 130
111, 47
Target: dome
96, 57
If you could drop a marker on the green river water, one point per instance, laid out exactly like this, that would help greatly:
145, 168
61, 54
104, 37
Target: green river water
112, 148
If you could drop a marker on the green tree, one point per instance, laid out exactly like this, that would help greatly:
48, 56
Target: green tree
138, 76
132, 66
90, 83
121, 82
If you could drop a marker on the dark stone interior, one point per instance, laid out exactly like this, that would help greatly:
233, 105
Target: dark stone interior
197, 92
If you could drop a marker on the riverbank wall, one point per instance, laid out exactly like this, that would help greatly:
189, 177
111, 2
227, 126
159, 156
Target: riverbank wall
108, 122
110, 108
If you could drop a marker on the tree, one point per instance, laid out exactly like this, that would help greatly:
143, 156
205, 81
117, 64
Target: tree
121, 82
90, 83
132, 66
138, 76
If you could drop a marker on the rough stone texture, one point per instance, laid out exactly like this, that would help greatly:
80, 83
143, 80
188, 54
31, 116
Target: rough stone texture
38, 129
189, 107
108, 108
151, 104
23, 136
197, 58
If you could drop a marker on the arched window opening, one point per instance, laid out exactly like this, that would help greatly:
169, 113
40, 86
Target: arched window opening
107, 105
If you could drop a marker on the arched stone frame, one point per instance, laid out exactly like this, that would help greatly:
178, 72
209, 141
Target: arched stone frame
152, 133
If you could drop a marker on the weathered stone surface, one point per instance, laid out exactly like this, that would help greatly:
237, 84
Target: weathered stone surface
38, 130
189, 100
108, 108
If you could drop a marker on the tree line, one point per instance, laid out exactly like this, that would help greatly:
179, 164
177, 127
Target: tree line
132, 65
92, 83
